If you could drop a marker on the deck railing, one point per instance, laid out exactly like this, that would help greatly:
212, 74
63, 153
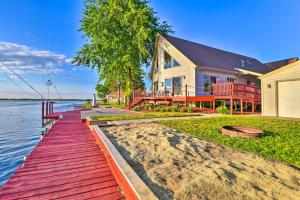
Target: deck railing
237, 90
218, 89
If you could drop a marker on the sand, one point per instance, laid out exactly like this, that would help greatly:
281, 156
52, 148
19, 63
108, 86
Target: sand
178, 166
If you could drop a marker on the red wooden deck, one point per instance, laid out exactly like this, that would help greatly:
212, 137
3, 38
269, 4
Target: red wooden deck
66, 164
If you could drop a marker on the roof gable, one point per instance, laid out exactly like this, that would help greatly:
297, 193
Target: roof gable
206, 56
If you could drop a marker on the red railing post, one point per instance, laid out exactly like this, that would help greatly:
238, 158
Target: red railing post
173, 90
43, 114
186, 96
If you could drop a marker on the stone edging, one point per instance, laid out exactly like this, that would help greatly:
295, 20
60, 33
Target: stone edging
131, 184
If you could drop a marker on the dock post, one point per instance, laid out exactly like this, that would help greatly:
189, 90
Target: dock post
43, 109
47, 108
214, 105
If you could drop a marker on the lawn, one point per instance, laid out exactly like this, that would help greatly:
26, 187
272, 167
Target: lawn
146, 115
281, 139
122, 106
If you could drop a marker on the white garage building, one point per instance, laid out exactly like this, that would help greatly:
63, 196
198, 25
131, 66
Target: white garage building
281, 91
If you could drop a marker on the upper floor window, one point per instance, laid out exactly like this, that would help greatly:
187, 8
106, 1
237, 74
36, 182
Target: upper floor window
169, 62
229, 79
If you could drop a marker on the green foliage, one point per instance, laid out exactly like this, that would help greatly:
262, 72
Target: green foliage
167, 109
182, 109
86, 105
102, 90
174, 108
190, 109
136, 108
158, 108
148, 106
222, 110
280, 140
120, 40
104, 100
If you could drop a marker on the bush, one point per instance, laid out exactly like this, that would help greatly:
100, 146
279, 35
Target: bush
167, 109
174, 108
182, 109
148, 106
222, 110
136, 108
159, 108
87, 104
190, 109
104, 100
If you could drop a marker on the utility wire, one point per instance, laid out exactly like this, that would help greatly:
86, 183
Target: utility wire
23, 80
54, 84
16, 84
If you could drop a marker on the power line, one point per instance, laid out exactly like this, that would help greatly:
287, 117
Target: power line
23, 80
16, 84
52, 82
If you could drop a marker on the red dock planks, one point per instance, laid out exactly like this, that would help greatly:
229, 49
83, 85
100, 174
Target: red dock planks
66, 164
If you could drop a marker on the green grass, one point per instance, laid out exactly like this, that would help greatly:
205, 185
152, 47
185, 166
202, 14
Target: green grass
122, 106
146, 115
281, 139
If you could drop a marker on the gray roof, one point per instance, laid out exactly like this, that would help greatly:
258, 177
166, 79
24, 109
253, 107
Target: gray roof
206, 56
280, 63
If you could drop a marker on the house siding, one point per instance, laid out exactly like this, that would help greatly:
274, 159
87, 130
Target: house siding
221, 78
186, 70
270, 87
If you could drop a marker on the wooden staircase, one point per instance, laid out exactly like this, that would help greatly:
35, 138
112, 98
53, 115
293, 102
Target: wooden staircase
135, 102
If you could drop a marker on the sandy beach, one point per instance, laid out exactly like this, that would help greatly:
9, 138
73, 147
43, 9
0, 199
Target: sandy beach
178, 166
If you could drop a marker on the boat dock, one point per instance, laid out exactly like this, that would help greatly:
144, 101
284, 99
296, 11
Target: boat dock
66, 164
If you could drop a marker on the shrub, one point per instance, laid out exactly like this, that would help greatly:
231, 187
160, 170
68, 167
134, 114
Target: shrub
87, 104
182, 109
190, 109
104, 100
148, 106
223, 110
158, 108
136, 108
174, 108
167, 109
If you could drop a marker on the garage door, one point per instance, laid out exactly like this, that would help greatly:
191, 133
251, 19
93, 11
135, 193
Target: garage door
289, 99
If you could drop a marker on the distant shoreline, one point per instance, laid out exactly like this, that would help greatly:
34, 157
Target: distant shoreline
49, 99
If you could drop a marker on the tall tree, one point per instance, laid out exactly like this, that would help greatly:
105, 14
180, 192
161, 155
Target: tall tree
120, 39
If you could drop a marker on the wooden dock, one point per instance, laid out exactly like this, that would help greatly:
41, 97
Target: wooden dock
66, 164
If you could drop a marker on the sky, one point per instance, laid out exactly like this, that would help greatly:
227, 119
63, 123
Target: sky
39, 38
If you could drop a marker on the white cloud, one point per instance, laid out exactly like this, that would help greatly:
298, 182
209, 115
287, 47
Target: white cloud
24, 59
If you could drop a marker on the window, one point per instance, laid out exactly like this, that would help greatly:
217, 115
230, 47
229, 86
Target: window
207, 82
169, 61
229, 79
156, 69
173, 85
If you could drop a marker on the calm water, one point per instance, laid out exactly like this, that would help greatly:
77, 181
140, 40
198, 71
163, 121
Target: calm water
20, 131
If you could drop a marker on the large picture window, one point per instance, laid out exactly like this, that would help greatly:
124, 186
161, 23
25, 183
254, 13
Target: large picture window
175, 82
169, 62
